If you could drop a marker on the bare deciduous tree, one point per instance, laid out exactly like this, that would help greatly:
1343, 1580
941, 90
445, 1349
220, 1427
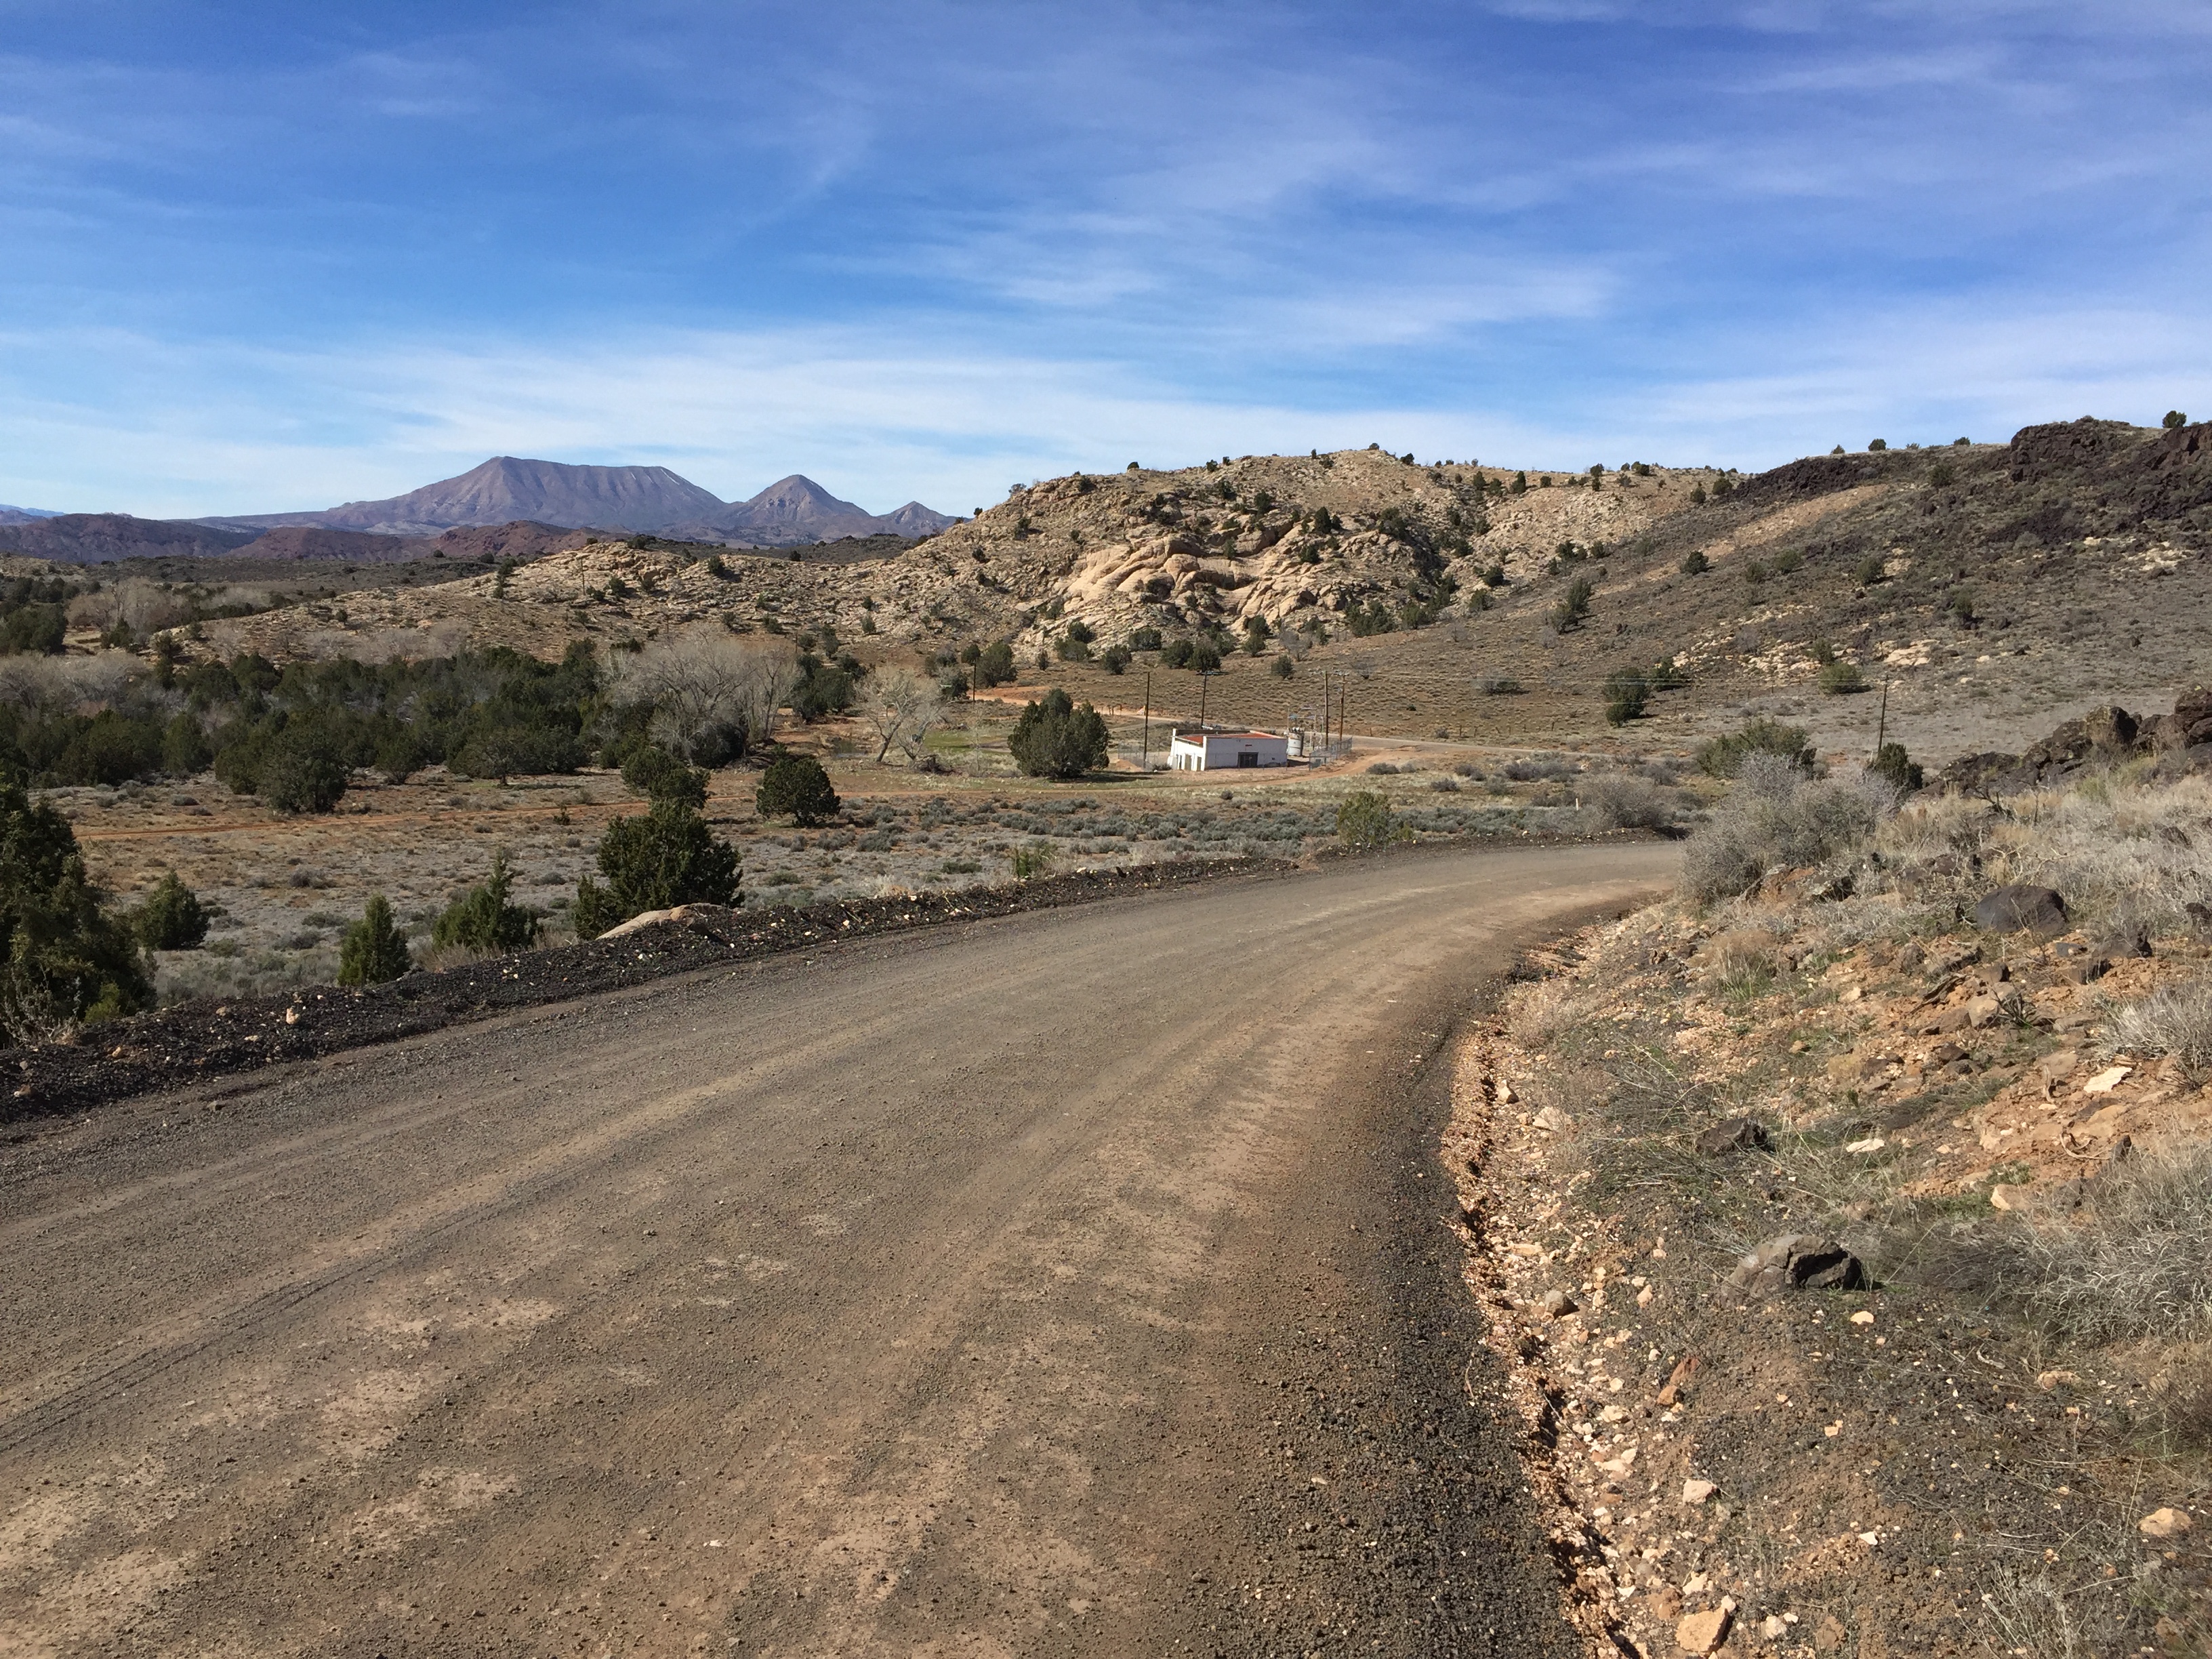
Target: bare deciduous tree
902, 705
710, 692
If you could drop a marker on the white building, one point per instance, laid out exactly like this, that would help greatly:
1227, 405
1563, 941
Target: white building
1214, 751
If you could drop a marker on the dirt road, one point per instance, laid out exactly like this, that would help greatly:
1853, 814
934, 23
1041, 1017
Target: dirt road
1067, 1283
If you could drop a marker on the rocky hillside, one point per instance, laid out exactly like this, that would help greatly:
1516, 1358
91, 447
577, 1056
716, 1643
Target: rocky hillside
101, 538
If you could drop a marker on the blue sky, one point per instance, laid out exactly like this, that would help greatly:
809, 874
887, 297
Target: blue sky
262, 257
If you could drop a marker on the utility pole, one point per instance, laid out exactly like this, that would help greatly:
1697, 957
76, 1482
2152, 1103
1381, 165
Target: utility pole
1881, 725
1144, 762
1204, 675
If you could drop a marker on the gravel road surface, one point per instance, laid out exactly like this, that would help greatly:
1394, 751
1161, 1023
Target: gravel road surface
1071, 1282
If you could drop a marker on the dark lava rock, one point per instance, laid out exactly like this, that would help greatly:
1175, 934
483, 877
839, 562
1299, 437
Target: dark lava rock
1735, 1134
2133, 940
1800, 1261
2018, 905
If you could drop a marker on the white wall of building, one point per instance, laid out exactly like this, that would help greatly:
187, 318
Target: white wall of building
1228, 751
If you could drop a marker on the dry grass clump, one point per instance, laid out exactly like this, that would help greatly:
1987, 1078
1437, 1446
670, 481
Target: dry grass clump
1538, 1014
1930, 829
2176, 1020
2141, 1264
2120, 855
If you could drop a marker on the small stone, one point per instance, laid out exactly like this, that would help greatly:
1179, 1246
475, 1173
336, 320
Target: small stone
2107, 1080
1558, 1303
1803, 1261
2164, 1524
1696, 1491
2010, 908
1862, 1317
1505, 1095
2007, 1197
1553, 1122
1735, 1134
1773, 1628
2047, 1381
1702, 1633
1829, 1634
1873, 1143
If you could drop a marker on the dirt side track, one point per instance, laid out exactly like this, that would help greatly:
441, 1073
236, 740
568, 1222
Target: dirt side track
1071, 1281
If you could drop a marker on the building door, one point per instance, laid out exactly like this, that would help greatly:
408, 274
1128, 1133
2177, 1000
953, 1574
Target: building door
1248, 757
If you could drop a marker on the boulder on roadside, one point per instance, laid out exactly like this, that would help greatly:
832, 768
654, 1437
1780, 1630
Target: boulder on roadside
1800, 1261
2020, 905
694, 915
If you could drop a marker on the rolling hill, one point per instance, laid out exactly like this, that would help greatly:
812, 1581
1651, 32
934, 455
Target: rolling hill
1978, 594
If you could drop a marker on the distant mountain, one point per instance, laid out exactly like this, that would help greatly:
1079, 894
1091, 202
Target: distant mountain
915, 519
504, 489
638, 498
25, 514
100, 537
794, 511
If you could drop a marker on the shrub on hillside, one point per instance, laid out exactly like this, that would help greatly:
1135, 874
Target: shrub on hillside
1364, 818
1695, 563
665, 857
505, 750
170, 917
1898, 769
185, 751
301, 770
1056, 738
1840, 678
484, 920
994, 665
1622, 800
1574, 606
1626, 692
373, 951
652, 772
68, 961
796, 786
1721, 758
1778, 817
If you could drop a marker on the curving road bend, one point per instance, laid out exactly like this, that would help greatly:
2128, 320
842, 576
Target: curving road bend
1071, 1282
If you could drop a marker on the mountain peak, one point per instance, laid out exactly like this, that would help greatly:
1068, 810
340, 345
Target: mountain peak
640, 499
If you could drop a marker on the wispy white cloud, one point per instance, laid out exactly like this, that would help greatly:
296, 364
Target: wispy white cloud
922, 249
